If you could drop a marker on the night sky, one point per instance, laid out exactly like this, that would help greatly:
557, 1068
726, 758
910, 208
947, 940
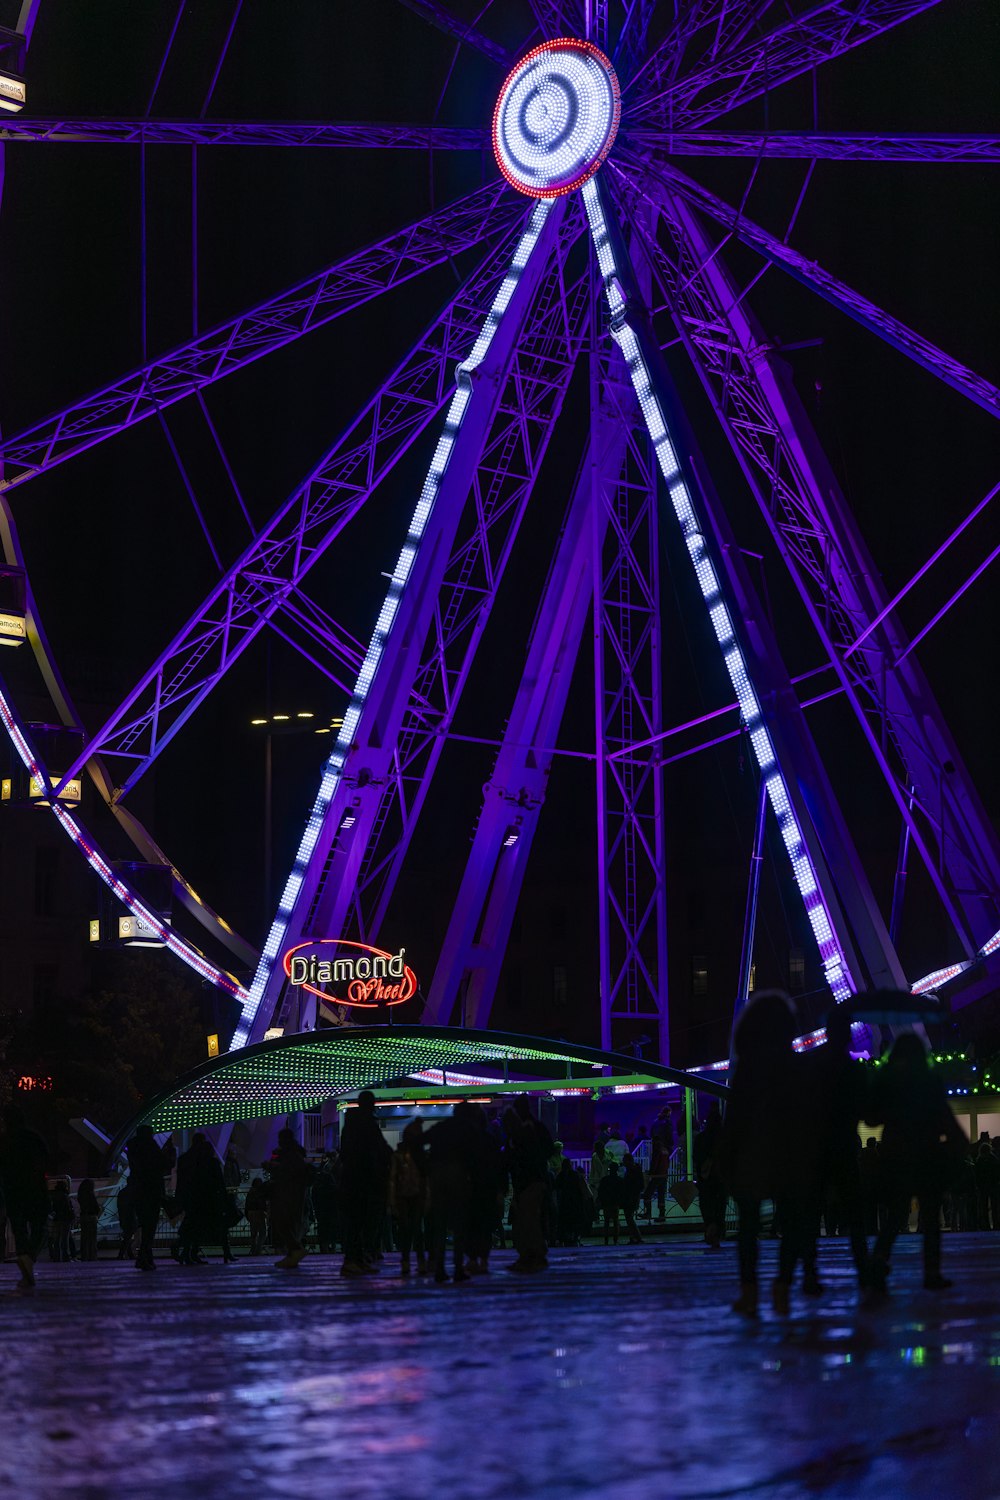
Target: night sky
118, 559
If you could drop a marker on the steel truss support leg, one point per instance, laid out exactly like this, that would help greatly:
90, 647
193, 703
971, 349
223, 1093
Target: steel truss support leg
473, 951
628, 707
820, 544
361, 761
501, 489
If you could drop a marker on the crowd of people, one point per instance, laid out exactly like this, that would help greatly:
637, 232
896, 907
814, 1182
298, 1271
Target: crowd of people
786, 1152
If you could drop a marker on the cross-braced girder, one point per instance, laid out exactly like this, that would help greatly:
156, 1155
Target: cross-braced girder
820, 146
353, 135
277, 559
809, 518
346, 285
716, 86
360, 765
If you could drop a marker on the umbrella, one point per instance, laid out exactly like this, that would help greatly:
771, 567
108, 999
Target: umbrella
896, 1008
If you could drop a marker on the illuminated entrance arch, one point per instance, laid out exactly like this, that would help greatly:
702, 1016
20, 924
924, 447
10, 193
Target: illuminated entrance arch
304, 1070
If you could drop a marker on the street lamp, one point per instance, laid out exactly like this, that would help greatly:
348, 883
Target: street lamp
302, 722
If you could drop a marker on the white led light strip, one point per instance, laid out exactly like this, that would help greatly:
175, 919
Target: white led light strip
102, 868
834, 967
383, 628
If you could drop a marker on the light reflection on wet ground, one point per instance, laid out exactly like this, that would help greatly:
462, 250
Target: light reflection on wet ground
620, 1373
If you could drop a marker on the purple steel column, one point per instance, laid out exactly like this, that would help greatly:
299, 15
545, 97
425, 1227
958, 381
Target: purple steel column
501, 489
628, 706
475, 944
361, 761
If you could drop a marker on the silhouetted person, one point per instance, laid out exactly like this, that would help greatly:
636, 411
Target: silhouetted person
569, 1205
599, 1163
90, 1211
62, 1220
255, 1208
365, 1158
765, 1149
23, 1162
920, 1139
656, 1187
529, 1146
290, 1175
712, 1195
450, 1151
986, 1169
147, 1169
408, 1197
609, 1201
631, 1193
871, 1184
325, 1193
125, 1208
837, 1096
487, 1190
201, 1193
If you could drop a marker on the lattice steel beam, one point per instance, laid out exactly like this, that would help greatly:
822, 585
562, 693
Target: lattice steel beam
361, 763
477, 219
502, 485
475, 944
341, 134
657, 182
803, 43
466, 32
277, 559
713, 27
628, 672
820, 146
817, 537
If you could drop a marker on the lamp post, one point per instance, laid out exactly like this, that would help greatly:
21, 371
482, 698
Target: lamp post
302, 722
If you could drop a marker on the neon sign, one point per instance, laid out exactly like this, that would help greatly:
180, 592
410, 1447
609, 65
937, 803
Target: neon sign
367, 978
29, 1082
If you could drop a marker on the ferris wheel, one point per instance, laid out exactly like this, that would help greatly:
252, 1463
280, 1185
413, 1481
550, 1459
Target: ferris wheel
596, 251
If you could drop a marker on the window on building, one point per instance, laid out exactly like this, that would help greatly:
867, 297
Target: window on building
699, 975
46, 871
796, 970
44, 984
560, 985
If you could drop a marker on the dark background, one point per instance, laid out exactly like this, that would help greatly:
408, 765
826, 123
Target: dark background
118, 560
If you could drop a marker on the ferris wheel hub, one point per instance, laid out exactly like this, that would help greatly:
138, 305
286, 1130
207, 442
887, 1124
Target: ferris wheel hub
556, 118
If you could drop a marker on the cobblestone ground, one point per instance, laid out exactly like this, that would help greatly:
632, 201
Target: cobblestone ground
619, 1373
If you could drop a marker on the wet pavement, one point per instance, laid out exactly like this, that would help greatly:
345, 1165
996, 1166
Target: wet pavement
618, 1373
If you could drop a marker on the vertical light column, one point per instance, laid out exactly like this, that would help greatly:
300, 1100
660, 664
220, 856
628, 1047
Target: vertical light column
834, 966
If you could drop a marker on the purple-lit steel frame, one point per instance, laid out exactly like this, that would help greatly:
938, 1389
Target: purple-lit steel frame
440, 602
823, 550
479, 219
350, 135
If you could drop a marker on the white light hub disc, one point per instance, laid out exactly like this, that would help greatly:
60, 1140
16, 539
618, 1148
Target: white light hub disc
556, 118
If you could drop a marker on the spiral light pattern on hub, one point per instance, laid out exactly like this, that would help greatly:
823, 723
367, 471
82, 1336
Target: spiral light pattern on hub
556, 118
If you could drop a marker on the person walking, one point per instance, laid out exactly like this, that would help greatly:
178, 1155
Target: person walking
631, 1193
765, 1150
255, 1208
609, 1201
451, 1147
529, 1146
290, 1176
90, 1212
656, 1187
62, 1219
408, 1197
23, 1161
921, 1143
366, 1158
712, 1195
836, 1094
147, 1169
325, 1193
